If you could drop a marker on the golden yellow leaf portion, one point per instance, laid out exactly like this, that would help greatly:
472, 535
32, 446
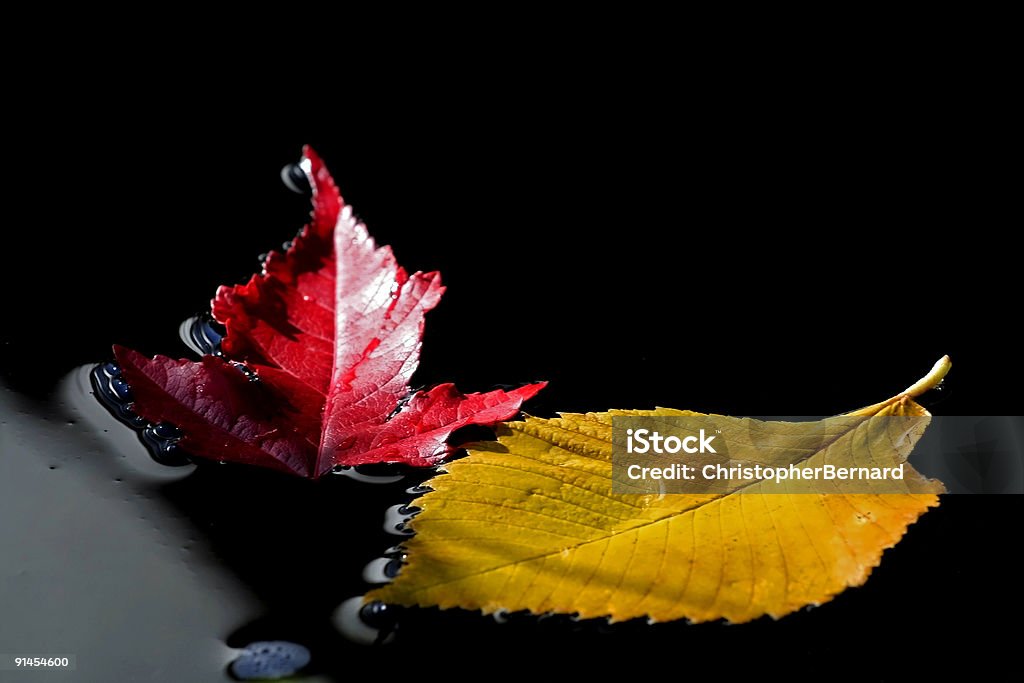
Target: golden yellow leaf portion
530, 522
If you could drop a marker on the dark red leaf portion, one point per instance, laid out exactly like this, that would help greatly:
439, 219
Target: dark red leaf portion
224, 416
332, 327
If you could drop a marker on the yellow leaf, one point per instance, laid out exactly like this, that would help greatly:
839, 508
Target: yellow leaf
530, 522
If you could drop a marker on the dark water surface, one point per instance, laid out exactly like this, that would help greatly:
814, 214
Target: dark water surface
148, 572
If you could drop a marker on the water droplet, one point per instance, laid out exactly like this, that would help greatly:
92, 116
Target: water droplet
369, 624
295, 179
201, 334
113, 392
379, 614
162, 442
246, 370
132, 418
395, 521
165, 430
121, 389
376, 571
268, 660
357, 474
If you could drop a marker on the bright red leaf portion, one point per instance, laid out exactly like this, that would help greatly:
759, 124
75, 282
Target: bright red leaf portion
332, 328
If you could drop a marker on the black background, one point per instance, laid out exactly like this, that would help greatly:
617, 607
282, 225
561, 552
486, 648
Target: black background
750, 258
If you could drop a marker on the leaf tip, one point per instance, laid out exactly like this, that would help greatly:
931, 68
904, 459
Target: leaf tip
123, 355
931, 380
528, 391
926, 383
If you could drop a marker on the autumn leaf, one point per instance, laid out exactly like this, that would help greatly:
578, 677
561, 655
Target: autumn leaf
319, 352
531, 522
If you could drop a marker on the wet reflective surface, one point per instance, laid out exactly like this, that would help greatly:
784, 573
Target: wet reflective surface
147, 572
214, 557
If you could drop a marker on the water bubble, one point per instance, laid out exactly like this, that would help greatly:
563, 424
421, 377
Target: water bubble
267, 660
295, 179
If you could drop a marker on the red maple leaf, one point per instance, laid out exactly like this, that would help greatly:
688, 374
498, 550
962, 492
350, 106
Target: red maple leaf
332, 329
